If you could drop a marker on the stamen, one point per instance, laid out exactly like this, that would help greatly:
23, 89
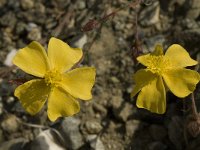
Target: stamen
158, 64
52, 77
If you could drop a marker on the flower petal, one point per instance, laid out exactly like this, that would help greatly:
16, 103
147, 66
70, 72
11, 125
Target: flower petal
153, 97
158, 50
61, 104
144, 59
32, 95
32, 59
179, 56
147, 59
142, 78
181, 82
62, 56
79, 82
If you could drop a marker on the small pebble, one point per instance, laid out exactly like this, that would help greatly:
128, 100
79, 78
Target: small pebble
10, 124
27, 4
93, 127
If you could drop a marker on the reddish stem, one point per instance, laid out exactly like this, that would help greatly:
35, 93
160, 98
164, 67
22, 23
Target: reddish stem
194, 108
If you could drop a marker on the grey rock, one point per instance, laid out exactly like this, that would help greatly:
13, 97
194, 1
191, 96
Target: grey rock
40, 8
80, 5
157, 146
129, 26
129, 89
194, 9
189, 23
93, 127
10, 124
14, 5
10, 100
120, 20
119, 26
175, 132
18, 108
20, 28
31, 25
71, 133
80, 41
103, 62
193, 13
34, 34
114, 79
27, 4
95, 142
90, 3
116, 100
9, 58
63, 3
20, 43
158, 132
100, 108
8, 19
150, 15
131, 127
15, 144
123, 111
46, 140
5, 86
7, 39
194, 3
172, 4
50, 23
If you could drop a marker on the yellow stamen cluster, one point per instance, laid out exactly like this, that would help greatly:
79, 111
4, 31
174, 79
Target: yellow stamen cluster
158, 64
52, 77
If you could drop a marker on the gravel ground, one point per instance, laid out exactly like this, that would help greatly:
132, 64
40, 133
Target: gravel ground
110, 121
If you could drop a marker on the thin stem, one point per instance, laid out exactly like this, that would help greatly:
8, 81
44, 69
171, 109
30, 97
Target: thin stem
93, 24
185, 127
43, 127
32, 125
194, 108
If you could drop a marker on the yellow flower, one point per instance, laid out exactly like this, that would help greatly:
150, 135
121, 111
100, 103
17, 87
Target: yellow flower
57, 82
164, 71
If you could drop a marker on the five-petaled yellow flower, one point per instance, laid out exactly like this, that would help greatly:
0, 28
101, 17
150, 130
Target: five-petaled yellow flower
56, 80
164, 72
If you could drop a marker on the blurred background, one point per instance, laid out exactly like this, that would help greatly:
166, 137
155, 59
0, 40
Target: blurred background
110, 121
